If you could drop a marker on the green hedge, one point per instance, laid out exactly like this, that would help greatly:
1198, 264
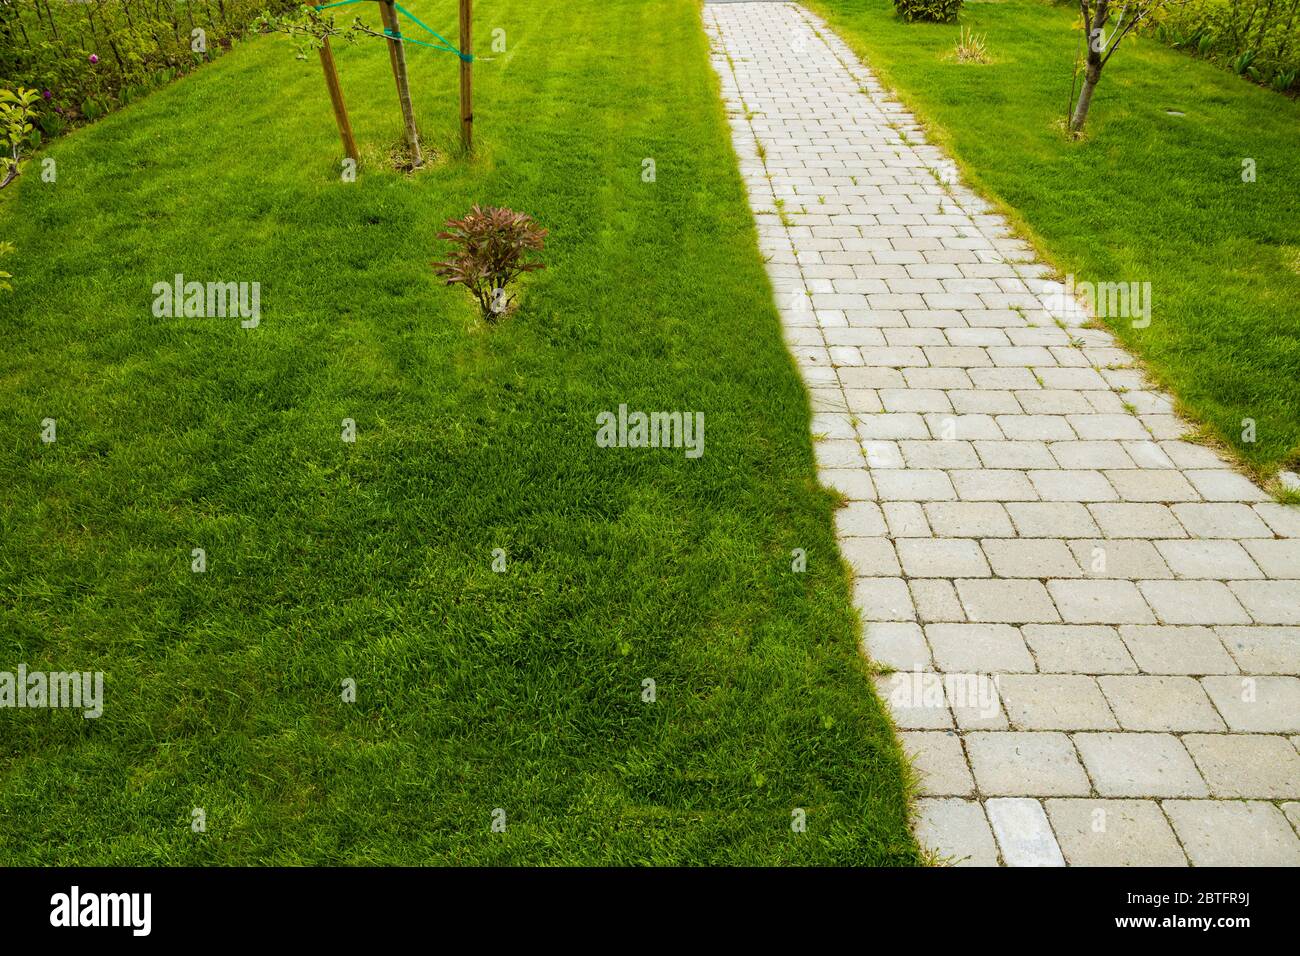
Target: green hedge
938, 11
89, 58
1259, 39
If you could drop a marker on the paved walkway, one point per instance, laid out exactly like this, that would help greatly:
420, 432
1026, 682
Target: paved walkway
1091, 622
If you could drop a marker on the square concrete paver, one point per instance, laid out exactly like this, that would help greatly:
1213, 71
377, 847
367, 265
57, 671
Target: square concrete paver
939, 763
956, 830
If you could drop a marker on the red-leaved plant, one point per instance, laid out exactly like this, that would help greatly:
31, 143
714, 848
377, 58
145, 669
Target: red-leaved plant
491, 250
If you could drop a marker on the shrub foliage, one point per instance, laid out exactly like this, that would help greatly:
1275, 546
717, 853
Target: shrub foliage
491, 248
88, 58
938, 11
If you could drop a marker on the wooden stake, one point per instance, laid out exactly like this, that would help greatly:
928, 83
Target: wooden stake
336, 98
397, 55
466, 77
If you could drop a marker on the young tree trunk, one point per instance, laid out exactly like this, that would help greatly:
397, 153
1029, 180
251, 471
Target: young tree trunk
1091, 77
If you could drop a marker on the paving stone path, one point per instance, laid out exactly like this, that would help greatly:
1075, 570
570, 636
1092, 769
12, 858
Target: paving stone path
1092, 623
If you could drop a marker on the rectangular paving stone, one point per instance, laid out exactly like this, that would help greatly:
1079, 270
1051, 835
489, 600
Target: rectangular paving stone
1030, 558
1137, 521
1233, 833
1277, 557
1016, 763
1128, 558
1260, 704
1193, 602
898, 644
1139, 765
1145, 484
1269, 602
883, 599
993, 485
1246, 765
1006, 601
915, 700
1220, 520
1100, 602
1072, 485
870, 557
1078, 649
1054, 702
1051, 519
936, 600
978, 648
1177, 650
942, 558
1263, 650
1113, 833
1023, 832
1205, 558
968, 519
1165, 704
913, 485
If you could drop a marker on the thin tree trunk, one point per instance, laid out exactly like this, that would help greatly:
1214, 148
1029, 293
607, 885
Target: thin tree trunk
1090, 79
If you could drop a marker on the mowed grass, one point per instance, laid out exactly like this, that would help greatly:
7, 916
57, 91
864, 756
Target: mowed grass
1146, 197
476, 690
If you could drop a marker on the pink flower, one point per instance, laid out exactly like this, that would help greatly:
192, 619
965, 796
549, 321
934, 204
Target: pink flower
94, 58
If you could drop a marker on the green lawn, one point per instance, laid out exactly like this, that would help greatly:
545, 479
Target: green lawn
373, 561
1146, 197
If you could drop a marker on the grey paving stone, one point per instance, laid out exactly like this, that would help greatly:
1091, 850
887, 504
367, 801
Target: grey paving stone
1126, 558
1177, 650
899, 645
1030, 558
1074, 649
968, 519
1051, 519
1246, 765
1269, 602
1233, 833
1054, 702
936, 600
1100, 602
870, 557
1012, 763
915, 700
978, 648
957, 831
1006, 601
1278, 557
1139, 765
1203, 558
1263, 650
1114, 833
1160, 703
942, 557
1193, 602
939, 763
1257, 704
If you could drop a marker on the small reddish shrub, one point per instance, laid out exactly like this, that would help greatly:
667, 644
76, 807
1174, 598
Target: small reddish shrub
491, 249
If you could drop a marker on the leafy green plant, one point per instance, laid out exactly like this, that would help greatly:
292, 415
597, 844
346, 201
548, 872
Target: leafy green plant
492, 248
1242, 62
16, 130
936, 11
